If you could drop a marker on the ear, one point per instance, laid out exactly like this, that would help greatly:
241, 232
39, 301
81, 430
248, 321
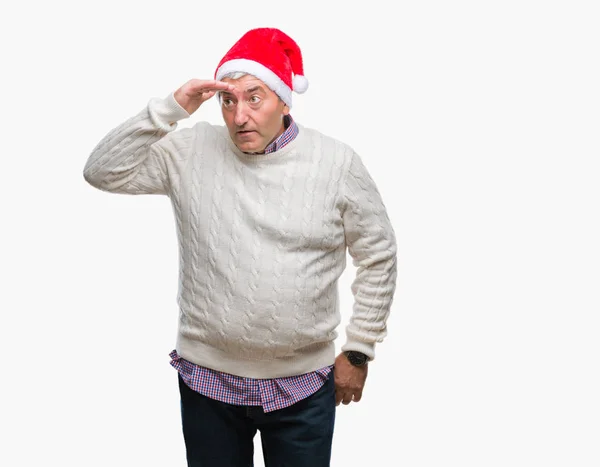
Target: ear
286, 109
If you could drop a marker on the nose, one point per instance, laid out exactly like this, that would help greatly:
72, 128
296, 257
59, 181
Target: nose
241, 114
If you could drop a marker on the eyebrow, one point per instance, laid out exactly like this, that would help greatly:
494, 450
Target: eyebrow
247, 91
253, 89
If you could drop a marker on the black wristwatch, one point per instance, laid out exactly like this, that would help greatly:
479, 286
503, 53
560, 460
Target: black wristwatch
356, 358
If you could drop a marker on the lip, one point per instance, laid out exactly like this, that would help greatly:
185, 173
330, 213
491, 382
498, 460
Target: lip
245, 135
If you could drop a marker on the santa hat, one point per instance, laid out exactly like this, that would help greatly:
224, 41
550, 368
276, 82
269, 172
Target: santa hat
271, 56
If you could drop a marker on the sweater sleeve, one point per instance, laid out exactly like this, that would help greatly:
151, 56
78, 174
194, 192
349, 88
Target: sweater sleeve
136, 156
371, 242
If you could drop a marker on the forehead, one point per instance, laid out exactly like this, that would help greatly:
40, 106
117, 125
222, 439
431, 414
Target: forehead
247, 83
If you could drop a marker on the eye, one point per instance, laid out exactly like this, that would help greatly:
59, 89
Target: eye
227, 102
254, 100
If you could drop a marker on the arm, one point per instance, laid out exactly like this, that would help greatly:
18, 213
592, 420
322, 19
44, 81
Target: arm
130, 158
137, 156
371, 242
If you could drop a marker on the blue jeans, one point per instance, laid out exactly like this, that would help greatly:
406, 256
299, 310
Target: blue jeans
217, 434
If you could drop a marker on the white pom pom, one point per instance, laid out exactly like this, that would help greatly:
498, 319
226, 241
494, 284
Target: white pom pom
300, 83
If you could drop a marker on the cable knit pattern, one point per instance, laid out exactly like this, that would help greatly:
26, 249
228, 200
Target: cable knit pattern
262, 240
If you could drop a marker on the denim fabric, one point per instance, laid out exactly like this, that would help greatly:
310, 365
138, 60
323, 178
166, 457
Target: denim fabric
218, 434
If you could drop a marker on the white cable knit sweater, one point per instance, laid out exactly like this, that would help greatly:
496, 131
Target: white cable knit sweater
262, 240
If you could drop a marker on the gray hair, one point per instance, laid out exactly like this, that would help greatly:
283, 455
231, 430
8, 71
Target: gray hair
234, 75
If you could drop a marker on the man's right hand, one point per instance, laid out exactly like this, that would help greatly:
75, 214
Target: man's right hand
195, 92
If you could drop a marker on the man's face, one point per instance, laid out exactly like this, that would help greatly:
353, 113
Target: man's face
253, 113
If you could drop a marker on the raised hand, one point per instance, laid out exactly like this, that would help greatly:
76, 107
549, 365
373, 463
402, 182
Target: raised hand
195, 92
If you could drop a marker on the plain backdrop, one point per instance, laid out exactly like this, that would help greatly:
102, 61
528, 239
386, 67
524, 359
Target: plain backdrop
478, 121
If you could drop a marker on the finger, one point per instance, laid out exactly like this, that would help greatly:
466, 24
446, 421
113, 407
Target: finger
223, 85
347, 398
207, 95
338, 397
206, 86
204, 91
357, 396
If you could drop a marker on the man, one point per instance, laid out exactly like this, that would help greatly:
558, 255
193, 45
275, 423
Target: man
265, 211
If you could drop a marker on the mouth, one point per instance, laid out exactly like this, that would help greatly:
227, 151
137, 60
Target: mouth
246, 135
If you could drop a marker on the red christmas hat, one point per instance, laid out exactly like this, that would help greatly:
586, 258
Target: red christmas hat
270, 55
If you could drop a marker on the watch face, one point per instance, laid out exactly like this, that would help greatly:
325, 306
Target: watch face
357, 358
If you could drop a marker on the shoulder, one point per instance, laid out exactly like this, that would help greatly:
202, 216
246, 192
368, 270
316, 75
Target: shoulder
187, 140
332, 146
208, 129
351, 165
201, 131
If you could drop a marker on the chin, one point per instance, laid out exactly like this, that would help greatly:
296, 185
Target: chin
244, 147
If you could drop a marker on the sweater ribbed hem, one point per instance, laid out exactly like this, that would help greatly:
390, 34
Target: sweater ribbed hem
204, 355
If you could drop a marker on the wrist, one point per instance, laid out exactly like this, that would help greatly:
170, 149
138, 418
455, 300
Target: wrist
356, 358
166, 112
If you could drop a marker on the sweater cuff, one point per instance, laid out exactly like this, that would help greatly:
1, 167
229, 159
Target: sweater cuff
166, 112
359, 346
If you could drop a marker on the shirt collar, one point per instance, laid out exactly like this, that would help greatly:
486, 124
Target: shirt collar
290, 132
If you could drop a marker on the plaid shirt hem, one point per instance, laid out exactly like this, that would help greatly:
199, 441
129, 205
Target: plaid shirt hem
271, 394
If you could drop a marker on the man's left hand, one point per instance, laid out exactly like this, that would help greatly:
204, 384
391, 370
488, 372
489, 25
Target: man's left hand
349, 380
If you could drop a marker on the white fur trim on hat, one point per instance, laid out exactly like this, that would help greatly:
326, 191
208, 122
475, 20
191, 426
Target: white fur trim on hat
300, 83
261, 72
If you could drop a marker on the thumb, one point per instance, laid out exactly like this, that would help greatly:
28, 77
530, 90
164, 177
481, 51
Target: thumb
207, 95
